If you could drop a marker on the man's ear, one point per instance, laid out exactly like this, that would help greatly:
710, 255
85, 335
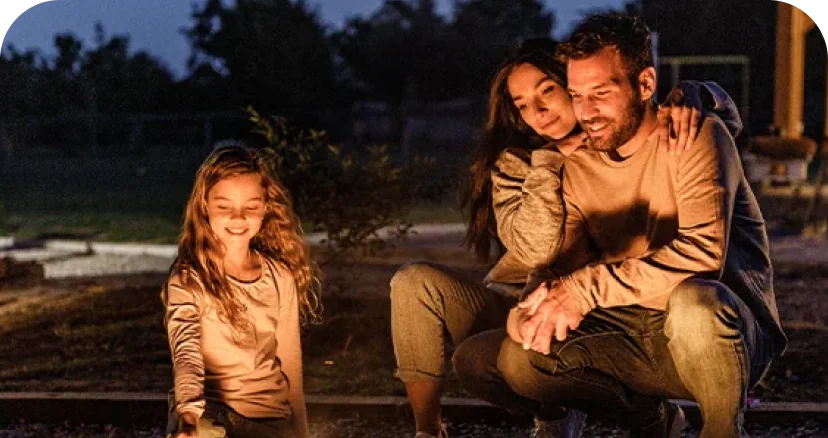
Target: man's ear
647, 83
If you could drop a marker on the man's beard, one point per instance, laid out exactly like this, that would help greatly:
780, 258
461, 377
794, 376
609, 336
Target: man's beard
623, 132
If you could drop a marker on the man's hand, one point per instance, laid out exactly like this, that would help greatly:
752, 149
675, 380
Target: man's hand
513, 323
523, 311
549, 310
680, 116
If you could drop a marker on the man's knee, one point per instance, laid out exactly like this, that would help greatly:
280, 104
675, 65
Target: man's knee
515, 365
477, 356
465, 358
701, 307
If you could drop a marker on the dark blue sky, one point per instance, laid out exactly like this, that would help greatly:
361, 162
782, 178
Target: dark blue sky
153, 25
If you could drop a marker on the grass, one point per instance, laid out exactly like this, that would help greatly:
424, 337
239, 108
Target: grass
136, 199
107, 335
111, 198
141, 198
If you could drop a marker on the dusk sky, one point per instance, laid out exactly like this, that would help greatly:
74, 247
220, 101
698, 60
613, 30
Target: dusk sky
153, 25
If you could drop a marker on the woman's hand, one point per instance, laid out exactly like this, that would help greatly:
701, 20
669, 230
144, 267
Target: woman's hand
680, 116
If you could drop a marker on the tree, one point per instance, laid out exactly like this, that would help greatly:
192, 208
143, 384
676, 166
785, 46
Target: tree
116, 81
349, 196
70, 55
22, 81
402, 54
403, 51
274, 53
503, 22
489, 29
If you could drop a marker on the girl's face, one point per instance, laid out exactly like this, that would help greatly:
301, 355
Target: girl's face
543, 104
235, 209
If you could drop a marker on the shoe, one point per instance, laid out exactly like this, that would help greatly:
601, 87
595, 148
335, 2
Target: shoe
442, 434
671, 426
568, 427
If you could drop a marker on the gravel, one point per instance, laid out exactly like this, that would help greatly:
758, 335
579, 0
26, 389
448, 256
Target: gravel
58, 263
105, 264
66, 259
356, 427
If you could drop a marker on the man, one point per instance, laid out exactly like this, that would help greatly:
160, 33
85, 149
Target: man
681, 302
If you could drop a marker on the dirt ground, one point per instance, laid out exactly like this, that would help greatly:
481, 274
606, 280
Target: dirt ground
106, 334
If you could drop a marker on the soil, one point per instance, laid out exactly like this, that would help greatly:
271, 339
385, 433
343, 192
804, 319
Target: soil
106, 334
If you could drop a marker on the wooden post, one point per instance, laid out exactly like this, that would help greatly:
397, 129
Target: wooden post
791, 29
824, 139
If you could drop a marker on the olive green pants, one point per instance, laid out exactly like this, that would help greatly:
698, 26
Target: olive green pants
432, 305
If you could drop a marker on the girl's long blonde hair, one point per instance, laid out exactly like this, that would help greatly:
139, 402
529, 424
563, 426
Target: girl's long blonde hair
280, 237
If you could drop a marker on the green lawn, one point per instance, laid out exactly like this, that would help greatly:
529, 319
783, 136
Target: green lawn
109, 198
116, 198
141, 198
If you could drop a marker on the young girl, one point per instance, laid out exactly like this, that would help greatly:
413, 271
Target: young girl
233, 301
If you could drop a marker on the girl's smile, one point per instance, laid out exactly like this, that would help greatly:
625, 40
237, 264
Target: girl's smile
235, 209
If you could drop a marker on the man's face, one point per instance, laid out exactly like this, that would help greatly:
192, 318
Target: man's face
608, 106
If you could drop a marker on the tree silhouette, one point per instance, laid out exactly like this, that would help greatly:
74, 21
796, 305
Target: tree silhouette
488, 29
274, 53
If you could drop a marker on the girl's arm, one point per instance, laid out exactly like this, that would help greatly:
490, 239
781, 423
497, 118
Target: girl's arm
183, 322
289, 350
527, 204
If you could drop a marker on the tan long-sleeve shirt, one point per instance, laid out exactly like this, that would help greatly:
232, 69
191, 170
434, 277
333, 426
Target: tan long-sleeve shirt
529, 212
656, 219
526, 197
259, 377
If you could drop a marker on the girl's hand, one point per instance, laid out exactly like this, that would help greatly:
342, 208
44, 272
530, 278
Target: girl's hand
680, 116
187, 426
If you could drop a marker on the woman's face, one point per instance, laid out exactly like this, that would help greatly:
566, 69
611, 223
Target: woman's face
543, 104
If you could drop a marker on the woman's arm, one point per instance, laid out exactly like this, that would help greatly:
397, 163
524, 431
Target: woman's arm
527, 204
289, 351
686, 105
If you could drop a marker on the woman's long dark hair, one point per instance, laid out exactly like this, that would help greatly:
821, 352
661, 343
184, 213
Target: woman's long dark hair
504, 128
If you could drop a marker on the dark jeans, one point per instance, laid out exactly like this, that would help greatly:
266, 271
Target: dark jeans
219, 421
622, 362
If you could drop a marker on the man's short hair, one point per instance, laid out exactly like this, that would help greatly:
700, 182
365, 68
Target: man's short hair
628, 34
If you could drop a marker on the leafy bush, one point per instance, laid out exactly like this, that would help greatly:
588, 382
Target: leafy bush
350, 196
